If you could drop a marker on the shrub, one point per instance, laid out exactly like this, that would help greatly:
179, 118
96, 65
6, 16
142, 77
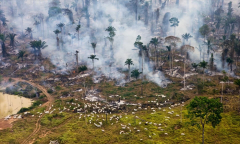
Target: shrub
58, 88
50, 91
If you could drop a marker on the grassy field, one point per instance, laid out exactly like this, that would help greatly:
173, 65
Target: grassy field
78, 131
67, 127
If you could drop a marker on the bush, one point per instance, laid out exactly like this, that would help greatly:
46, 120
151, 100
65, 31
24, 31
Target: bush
50, 91
22, 110
82, 68
42, 96
34, 105
58, 88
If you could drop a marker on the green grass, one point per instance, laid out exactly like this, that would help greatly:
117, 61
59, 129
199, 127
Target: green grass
77, 131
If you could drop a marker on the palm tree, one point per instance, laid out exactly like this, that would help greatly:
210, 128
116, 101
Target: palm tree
61, 25
211, 64
174, 21
33, 44
209, 46
230, 62
78, 30
155, 42
93, 57
203, 65
194, 65
94, 46
3, 39
135, 74
112, 33
129, 62
186, 36
38, 45
21, 54
29, 32
57, 32
169, 49
139, 45
12, 39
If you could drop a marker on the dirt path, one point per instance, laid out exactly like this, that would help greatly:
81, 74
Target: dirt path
47, 104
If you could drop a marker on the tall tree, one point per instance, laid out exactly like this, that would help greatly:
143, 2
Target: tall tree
155, 42
3, 39
21, 54
230, 63
174, 21
204, 30
93, 57
203, 65
186, 36
111, 30
202, 110
57, 32
78, 31
209, 46
138, 44
38, 45
129, 62
211, 63
169, 49
94, 47
12, 39
29, 32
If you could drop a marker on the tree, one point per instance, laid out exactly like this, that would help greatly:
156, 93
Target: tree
209, 46
186, 48
21, 54
230, 62
186, 36
155, 42
82, 68
169, 49
112, 33
211, 63
33, 44
29, 32
174, 21
61, 25
138, 44
57, 32
12, 39
3, 39
202, 110
94, 46
93, 57
194, 65
129, 62
237, 82
135, 74
38, 45
204, 30
203, 65
78, 30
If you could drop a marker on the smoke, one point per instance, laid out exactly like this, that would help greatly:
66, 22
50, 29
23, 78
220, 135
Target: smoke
100, 18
